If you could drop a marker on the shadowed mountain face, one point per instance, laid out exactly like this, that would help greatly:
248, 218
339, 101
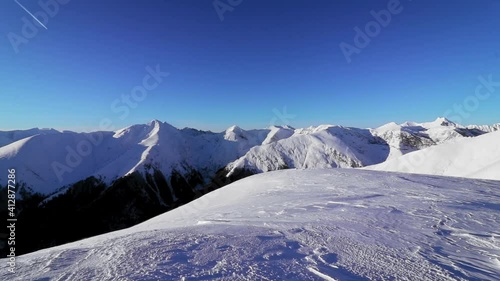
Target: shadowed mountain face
141, 171
47, 162
91, 207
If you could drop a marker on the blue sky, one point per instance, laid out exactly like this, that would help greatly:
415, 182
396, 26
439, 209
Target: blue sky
265, 55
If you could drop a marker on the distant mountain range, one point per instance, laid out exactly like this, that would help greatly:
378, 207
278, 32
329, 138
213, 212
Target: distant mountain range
470, 158
112, 180
46, 159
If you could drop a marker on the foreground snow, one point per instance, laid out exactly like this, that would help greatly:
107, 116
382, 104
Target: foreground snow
477, 157
335, 224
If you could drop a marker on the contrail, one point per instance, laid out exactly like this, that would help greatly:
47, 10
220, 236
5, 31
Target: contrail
30, 14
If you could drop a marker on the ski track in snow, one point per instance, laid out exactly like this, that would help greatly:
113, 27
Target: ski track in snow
337, 224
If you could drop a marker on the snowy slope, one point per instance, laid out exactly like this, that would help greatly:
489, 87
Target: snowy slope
410, 136
32, 158
47, 162
329, 146
477, 157
7, 137
278, 133
485, 128
334, 224
315, 147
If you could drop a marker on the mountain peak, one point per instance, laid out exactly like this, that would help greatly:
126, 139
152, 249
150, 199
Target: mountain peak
389, 126
440, 121
287, 127
234, 128
154, 122
234, 133
443, 121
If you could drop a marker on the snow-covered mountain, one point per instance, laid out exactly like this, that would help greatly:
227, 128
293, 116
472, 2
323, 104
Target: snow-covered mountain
315, 147
278, 133
334, 224
330, 146
113, 180
7, 137
485, 128
46, 162
411, 136
477, 157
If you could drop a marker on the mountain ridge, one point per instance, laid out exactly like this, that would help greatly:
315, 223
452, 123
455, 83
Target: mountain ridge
113, 180
48, 159
478, 157
331, 146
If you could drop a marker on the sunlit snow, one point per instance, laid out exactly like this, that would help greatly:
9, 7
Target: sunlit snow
332, 224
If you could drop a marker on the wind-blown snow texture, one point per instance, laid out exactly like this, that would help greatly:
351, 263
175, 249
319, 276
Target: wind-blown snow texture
334, 224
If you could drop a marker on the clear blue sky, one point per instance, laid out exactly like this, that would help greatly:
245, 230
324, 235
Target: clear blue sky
264, 55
